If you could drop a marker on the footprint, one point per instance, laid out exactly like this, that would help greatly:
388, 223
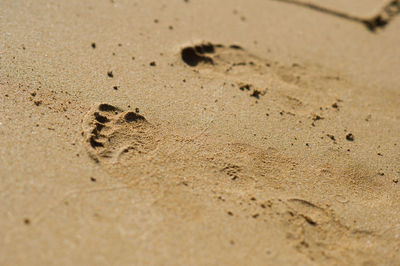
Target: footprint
245, 71
111, 134
256, 76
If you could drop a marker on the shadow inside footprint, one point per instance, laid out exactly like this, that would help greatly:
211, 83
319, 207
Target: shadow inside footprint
133, 117
101, 118
194, 55
105, 107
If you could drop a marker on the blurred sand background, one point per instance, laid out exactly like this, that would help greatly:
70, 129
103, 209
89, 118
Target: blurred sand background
279, 145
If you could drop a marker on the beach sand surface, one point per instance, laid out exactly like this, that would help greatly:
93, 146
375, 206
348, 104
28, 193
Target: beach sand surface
198, 133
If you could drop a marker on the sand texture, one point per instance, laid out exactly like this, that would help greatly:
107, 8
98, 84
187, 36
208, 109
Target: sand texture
199, 132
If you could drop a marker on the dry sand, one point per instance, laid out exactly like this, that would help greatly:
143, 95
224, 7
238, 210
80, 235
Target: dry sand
196, 132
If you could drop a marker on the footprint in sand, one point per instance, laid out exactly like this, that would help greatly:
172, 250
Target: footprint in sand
113, 136
111, 133
231, 62
301, 87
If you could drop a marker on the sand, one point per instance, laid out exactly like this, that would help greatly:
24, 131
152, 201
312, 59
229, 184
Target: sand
199, 133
